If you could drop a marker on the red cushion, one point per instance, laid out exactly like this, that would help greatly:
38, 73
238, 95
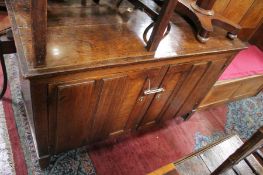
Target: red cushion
246, 63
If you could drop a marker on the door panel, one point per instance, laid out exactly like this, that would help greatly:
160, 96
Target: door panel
74, 126
206, 82
171, 83
151, 81
185, 90
111, 97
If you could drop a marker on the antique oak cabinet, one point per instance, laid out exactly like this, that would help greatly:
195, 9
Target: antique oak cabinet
99, 81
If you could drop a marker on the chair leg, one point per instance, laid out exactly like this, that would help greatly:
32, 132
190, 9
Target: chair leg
6, 47
161, 24
4, 86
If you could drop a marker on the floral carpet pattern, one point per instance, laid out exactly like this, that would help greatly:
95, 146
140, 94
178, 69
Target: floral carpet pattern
244, 117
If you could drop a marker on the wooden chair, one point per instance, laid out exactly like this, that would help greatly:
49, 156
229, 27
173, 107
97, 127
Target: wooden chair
39, 25
217, 159
203, 16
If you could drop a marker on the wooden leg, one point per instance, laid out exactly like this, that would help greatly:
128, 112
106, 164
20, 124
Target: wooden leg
39, 31
6, 47
44, 162
203, 35
161, 24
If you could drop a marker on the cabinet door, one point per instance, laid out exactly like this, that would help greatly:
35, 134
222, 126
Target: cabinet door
206, 82
73, 118
171, 84
92, 110
197, 83
185, 90
118, 97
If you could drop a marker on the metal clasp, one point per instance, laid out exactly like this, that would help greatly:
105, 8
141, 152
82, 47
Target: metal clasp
150, 91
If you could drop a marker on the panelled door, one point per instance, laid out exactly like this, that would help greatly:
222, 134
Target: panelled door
171, 83
104, 106
197, 83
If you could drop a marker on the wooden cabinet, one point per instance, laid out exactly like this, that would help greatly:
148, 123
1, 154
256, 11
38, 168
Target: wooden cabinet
98, 80
72, 110
94, 108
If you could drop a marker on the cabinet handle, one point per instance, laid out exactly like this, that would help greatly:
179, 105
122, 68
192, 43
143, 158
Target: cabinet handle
153, 91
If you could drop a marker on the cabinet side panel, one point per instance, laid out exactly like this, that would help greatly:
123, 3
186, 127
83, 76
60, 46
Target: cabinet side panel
40, 117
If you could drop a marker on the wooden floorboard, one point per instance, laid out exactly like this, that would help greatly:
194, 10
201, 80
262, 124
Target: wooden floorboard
254, 163
216, 156
209, 158
192, 166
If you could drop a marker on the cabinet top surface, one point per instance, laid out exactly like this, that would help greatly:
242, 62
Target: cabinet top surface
99, 35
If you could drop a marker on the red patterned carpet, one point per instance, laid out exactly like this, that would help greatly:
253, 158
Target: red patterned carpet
18, 156
145, 153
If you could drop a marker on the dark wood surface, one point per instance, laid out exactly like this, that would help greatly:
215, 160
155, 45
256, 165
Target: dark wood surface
204, 4
38, 17
73, 45
209, 158
97, 70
